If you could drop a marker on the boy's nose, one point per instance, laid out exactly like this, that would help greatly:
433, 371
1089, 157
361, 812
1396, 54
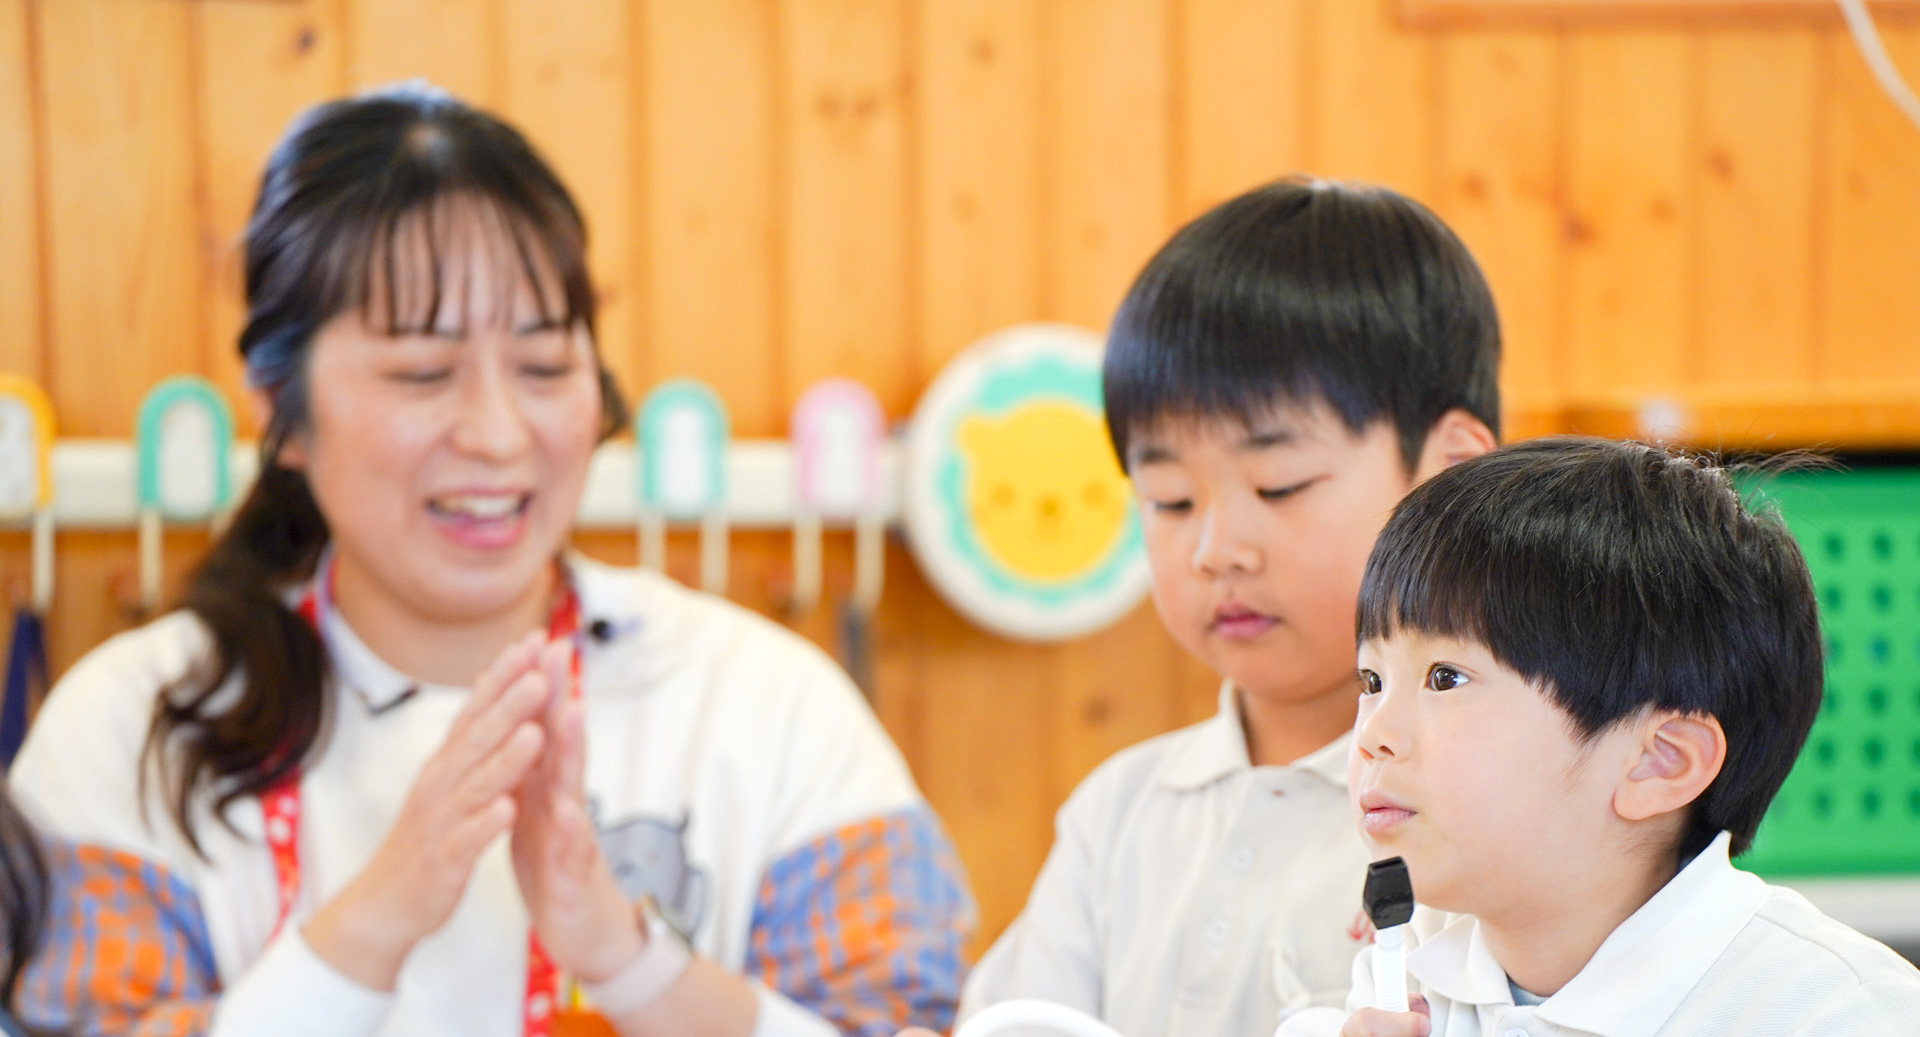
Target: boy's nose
1221, 551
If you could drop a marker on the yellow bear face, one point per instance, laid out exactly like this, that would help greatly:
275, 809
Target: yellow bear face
1045, 492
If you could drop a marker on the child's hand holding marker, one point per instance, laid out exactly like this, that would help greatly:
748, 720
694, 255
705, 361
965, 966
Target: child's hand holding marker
1374, 1022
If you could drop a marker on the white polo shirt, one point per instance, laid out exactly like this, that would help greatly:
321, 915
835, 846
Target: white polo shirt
1716, 951
718, 745
1190, 893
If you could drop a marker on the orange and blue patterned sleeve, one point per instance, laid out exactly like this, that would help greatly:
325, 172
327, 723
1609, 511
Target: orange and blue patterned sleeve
865, 926
126, 951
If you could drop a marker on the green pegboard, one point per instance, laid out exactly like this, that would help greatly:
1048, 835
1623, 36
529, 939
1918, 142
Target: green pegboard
1852, 803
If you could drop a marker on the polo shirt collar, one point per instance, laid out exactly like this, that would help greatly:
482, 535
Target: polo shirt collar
1218, 749
370, 678
1660, 953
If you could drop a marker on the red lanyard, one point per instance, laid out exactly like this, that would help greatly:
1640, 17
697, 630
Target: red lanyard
281, 805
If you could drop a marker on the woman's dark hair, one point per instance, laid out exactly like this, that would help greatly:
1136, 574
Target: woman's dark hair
1618, 577
355, 198
1303, 291
24, 890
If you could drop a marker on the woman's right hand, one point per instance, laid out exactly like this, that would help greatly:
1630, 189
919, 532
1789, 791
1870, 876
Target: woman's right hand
462, 801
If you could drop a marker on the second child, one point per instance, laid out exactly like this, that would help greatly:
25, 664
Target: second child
1283, 371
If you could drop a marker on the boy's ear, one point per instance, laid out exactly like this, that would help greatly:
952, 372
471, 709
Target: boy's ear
1458, 436
1679, 755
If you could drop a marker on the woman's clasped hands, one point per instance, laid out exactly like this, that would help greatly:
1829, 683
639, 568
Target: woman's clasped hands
513, 762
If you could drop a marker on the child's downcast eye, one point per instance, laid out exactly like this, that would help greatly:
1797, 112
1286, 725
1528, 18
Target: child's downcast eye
1441, 677
1369, 682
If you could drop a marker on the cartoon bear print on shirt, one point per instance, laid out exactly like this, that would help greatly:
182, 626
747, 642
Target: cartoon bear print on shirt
649, 858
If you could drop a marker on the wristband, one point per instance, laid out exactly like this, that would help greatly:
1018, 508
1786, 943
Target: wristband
661, 962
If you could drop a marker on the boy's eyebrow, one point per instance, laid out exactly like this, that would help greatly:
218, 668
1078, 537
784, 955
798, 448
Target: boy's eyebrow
1265, 438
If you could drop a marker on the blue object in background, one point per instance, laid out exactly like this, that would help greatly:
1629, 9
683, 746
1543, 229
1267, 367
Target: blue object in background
26, 678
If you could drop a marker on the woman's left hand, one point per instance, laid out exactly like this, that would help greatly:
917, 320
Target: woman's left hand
585, 923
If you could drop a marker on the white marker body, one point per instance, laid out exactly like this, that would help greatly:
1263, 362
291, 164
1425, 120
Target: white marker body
1390, 969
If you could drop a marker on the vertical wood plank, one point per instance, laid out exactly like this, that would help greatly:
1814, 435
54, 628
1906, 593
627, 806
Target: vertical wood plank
125, 289
458, 45
1757, 155
125, 286
20, 198
844, 102
1372, 91
259, 66
1628, 184
711, 237
1113, 168
1498, 188
1108, 129
1244, 73
569, 88
1872, 242
979, 132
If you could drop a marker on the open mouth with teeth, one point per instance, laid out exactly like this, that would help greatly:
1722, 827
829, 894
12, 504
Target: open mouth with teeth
475, 509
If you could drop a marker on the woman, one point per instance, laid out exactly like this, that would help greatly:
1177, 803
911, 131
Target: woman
289, 798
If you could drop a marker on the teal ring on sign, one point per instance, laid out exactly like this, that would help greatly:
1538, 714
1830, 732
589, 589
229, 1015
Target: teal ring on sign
191, 391
678, 417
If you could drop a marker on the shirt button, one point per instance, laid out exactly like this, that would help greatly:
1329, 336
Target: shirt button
1241, 860
1216, 932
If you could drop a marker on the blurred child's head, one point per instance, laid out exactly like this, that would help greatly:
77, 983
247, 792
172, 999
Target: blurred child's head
1575, 655
1279, 375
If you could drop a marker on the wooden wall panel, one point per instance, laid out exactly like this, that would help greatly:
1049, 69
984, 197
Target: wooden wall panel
1244, 105
1756, 155
713, 245
1628, 117
979, 165
458, 45
1871, 248
844, 128
1498, 187
125, 264
258, 66
20, 198
1109, 194
570, 75
1373, 97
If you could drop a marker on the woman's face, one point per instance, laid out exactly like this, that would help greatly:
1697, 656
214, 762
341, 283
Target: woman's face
448, 455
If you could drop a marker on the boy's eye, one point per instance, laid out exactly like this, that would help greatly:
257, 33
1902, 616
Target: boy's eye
1441, 677
1173, 507
1283, 492
1369, 682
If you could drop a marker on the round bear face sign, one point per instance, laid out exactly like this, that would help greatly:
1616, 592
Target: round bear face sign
1016, 507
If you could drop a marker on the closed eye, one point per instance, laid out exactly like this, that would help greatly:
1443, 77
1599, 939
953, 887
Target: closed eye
1283, 492
1172, 507
424, 376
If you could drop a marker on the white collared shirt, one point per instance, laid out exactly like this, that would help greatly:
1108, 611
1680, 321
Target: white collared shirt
1716, 951
1190, 893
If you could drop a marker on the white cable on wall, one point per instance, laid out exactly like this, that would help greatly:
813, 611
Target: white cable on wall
1867, 37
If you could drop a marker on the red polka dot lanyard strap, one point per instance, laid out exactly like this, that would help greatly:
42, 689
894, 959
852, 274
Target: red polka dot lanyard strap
281, 805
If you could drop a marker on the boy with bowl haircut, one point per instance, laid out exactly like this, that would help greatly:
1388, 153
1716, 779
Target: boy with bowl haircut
1279, 375
1586, 667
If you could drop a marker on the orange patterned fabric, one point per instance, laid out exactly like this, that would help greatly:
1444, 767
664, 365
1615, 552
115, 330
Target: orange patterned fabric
126, 952
864, 926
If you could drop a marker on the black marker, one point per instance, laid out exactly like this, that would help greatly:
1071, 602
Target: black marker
1388, 898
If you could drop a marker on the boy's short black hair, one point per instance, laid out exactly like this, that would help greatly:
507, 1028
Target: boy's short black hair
1618, 577
1303, 291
